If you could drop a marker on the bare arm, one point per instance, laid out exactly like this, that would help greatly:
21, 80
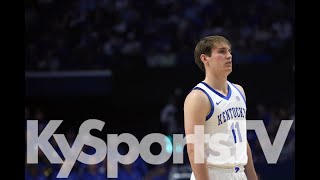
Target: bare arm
249, 167
196, 108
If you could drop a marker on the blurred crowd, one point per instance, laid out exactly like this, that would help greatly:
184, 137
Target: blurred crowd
108, 34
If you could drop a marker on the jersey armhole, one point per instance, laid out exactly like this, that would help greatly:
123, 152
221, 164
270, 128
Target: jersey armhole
211, 102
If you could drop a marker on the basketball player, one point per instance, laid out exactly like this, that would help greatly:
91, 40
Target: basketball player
220, 106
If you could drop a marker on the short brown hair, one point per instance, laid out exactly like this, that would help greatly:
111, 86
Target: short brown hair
205, 46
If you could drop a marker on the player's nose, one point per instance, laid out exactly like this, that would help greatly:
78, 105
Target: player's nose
229, 55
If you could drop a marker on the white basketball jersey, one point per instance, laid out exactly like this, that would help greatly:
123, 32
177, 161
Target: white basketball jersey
226, 126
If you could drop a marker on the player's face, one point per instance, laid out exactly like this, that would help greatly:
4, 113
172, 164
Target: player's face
221, 58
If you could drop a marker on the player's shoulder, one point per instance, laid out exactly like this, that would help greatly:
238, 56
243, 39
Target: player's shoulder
239, 87
196, 96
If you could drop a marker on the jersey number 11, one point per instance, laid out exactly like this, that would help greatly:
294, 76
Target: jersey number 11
234, 133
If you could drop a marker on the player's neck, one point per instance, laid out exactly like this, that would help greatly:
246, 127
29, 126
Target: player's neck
218, 83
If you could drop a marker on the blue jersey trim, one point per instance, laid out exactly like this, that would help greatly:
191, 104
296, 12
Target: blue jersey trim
211, 102
219, 94
244, 99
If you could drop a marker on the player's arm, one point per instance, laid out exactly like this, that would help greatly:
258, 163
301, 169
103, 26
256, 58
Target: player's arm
249, 167
196, 108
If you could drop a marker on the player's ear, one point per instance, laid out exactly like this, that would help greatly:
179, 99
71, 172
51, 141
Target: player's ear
204, 58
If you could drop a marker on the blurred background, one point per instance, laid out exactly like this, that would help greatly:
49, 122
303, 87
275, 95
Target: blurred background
130, 64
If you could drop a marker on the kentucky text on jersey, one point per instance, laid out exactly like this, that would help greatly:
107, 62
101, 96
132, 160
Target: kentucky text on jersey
231, 113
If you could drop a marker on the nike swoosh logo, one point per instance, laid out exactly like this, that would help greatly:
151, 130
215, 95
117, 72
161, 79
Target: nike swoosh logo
217, 103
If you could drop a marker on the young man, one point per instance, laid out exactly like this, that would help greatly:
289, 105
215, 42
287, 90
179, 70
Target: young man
218, 106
